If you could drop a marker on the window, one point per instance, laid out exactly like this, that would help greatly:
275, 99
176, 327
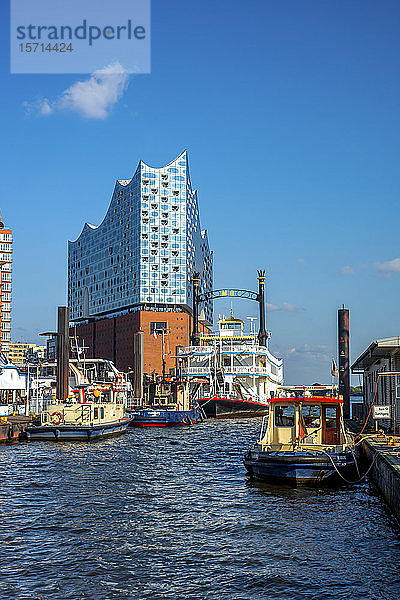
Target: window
397, 386
158, 326
96, 413
284, 416
330, 417
312, 416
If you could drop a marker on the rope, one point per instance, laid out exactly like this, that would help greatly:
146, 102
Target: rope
344, 478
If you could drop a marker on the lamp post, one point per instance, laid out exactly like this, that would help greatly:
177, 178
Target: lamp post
262, 334
195, 335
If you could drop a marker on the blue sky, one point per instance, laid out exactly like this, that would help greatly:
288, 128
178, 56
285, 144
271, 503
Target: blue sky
290, 113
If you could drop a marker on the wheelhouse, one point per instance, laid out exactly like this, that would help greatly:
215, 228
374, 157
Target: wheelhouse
303, 422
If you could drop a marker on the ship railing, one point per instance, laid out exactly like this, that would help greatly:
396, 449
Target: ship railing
196, 371
228, 370
228, 348
195, 350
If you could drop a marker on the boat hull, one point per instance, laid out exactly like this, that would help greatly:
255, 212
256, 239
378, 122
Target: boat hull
165, 418
300, 468
225, 408
76, 433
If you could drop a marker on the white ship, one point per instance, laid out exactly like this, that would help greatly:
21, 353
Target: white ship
230, 373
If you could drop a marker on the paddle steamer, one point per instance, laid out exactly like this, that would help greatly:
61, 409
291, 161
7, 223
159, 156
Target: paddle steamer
230, 373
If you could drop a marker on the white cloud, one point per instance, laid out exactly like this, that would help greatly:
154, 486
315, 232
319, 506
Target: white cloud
387, 268
285, 307
319, 352
348, 270
301, 261
92, 98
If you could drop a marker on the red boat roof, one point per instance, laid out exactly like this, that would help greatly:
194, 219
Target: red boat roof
307, 399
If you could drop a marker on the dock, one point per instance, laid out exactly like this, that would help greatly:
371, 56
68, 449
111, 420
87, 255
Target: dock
383, 453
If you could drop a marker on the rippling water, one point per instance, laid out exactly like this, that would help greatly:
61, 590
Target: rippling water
169, 514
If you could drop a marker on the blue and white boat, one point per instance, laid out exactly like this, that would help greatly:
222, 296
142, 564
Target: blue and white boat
153, 417
167, 404
303, 441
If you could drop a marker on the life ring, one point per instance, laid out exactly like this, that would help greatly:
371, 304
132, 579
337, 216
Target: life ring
56, 418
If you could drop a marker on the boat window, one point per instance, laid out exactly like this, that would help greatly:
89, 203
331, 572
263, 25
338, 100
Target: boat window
312, 415
120, 397
101, 412
330, 417
96, 413
284, 416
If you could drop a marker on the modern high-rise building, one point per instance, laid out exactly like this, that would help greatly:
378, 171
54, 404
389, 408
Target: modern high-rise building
5, 285
142, 257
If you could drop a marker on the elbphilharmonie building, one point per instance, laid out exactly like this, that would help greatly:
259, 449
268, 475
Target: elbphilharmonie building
146, 249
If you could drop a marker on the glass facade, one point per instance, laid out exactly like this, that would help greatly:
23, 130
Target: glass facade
145, 250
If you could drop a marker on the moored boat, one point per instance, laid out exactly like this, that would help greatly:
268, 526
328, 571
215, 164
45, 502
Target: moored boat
93, 410
231, 374
70, 428
303, 441
167, 404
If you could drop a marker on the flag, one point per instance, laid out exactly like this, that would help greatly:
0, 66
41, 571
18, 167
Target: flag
334, 370
302, 425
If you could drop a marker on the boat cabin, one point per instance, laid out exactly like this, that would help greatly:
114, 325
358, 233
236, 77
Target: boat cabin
86, 414
169, 393
304, 421
230, 327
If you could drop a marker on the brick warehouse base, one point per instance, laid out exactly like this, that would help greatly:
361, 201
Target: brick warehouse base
112, 338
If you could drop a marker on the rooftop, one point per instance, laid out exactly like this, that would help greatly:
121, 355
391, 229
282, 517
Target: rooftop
376, 350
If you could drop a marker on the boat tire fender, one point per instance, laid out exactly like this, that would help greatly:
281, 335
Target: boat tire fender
56, 418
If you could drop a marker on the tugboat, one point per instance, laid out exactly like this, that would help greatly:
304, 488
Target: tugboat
303, 441
167, 404
93, 410
230, 373
80, 410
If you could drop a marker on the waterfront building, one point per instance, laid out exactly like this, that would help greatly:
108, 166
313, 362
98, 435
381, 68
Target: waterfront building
6, 249
379, 365
18, 351
133, 272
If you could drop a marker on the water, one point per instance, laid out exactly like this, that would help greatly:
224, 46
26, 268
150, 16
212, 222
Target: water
168, 514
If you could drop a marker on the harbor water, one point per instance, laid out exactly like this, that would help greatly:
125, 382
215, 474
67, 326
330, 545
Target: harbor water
169, 514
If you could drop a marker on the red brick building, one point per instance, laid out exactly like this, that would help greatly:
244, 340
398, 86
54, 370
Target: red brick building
112, 338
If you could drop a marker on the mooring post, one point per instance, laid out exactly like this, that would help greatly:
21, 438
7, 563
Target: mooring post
62, 353
195, 335
262, 334
344, 358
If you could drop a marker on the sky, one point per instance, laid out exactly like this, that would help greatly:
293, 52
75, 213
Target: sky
289, 110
